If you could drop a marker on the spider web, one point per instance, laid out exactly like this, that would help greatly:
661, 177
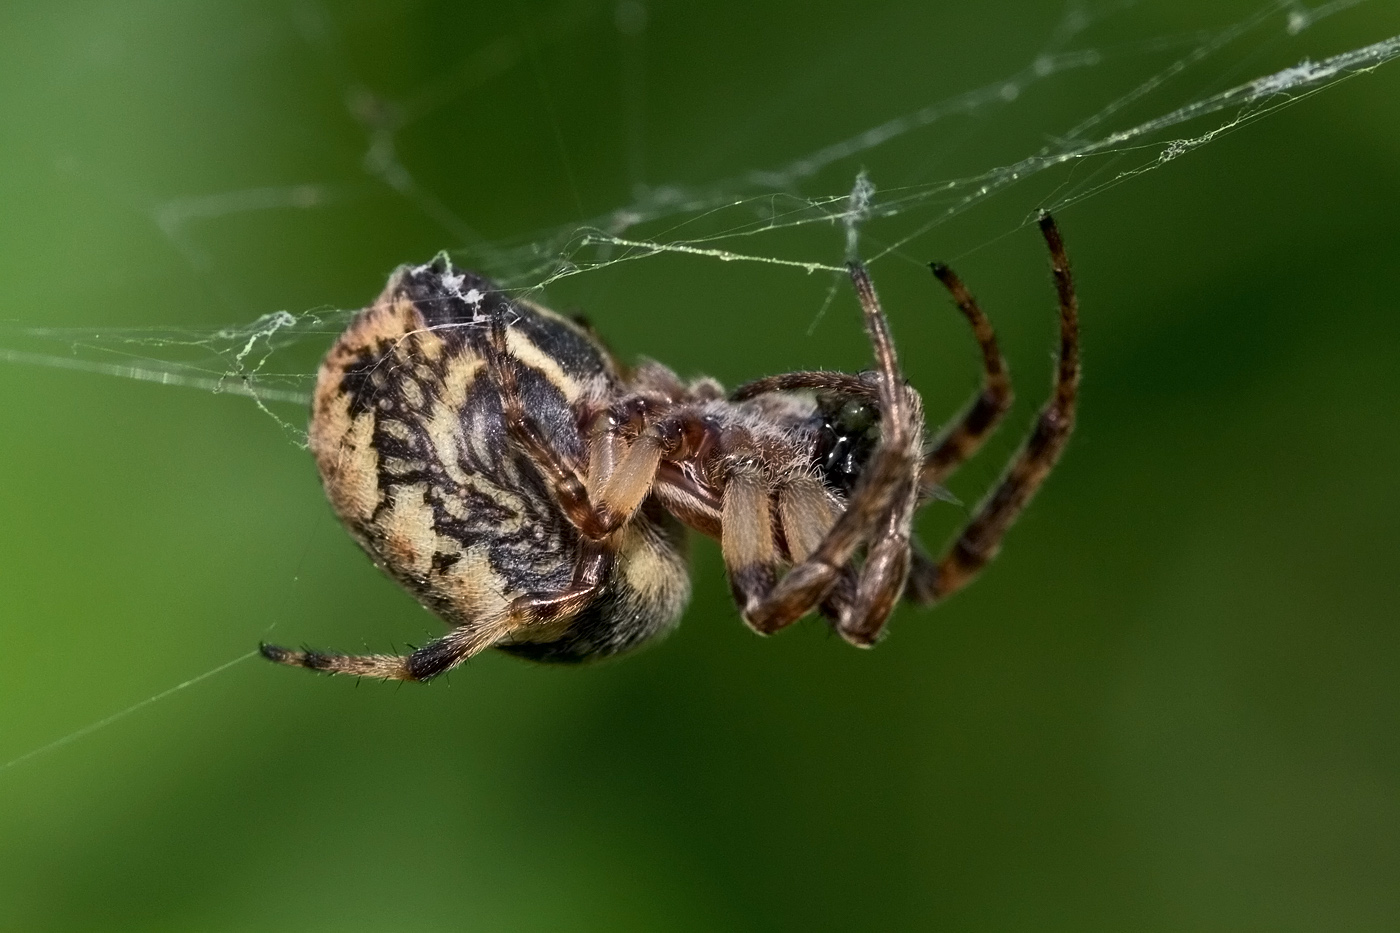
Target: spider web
803, 216
753, 217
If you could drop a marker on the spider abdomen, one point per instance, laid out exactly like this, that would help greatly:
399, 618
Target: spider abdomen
409, 435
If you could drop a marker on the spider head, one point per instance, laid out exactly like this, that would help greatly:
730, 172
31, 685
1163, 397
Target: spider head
848, 430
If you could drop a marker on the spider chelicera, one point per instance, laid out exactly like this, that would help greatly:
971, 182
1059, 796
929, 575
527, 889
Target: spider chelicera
494, 459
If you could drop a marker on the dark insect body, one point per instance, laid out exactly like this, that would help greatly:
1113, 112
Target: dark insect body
495, 460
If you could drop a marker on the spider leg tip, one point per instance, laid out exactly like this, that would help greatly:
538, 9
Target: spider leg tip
862, 640
273, 652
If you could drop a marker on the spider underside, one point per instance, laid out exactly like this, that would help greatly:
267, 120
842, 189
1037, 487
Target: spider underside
493, 458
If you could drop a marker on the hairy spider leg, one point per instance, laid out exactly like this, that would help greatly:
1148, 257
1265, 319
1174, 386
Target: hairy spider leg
887, 560
747, 538
886, 566
756, 512
620, 474
982, 416
978, 542
805, 509
570, 489
884, 486
806, 513
829, 380
535, 610
422, 664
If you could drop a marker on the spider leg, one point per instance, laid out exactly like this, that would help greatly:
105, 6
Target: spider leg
860, 602
569, 486
842, 383
979, 541
620, 474
882, 576
884, 479
537, 613
423, 663
748, 541
806, 512
961, 440
749, 537
542, 610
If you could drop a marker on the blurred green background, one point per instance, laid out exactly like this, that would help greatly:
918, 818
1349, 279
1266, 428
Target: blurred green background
1173, 703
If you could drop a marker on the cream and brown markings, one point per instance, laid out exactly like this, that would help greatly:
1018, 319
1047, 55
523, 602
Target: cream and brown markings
409, 437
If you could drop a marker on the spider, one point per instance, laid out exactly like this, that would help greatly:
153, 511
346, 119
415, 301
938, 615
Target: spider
494, 459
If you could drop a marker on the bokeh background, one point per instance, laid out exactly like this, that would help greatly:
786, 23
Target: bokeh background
1173, 703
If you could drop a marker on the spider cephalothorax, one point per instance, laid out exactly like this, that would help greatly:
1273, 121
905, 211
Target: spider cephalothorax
493, 458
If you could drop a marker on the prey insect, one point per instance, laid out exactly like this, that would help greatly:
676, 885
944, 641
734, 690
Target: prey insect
494, 459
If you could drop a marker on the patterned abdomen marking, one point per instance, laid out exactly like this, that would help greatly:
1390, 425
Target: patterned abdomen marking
408, 435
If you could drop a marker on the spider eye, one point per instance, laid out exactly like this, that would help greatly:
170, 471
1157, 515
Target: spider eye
856, 417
